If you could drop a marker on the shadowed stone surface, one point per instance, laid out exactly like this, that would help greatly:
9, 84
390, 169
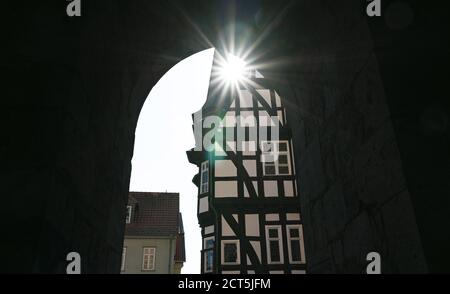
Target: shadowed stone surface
370, 125
355, 195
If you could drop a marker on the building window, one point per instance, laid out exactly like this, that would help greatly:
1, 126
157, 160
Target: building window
128, 216
208, 255
230, 252
274, 245
148, 258
295, 244
124, 254
275, 158
204, 175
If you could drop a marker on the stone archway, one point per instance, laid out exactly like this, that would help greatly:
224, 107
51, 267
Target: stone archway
74, 88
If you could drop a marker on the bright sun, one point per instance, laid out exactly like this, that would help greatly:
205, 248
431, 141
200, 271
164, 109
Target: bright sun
234, 69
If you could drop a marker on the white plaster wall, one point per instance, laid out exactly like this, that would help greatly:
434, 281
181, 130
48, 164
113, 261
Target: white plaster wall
248, 147
255, 185
225, 168
257, 247
203, 205
225, 189
250, 167
209, 230
247, 119
230, 119
252, 225
245, 98
272, 217
226, 229
293, 216
270, 188
288, 189
277, 99
265, 93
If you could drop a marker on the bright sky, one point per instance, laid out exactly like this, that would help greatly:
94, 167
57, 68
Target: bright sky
164, 134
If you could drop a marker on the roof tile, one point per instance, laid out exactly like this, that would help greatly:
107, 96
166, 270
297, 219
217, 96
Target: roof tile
154, 214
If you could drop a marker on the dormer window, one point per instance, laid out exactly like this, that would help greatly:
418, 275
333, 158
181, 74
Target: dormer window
128, 217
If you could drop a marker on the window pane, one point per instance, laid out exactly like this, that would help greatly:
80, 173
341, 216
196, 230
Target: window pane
146, 262
151, 261
209, 260
204, 188
294, 233
230, 252
273, 233
209, 244
269, 169
283, 170
274, 251
282, 158
128, 214
204, 179
283, 146
295, 250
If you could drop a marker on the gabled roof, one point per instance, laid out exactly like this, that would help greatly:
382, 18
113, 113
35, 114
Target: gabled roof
154, 214
131, 200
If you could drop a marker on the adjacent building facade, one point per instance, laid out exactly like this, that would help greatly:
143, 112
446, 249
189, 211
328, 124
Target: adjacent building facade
154, 235
248, 200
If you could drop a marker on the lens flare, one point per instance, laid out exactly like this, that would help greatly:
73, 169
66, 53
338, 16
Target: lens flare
234, 69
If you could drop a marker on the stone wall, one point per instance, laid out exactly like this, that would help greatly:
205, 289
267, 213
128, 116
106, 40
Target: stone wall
73, 89
412, 44
354, 195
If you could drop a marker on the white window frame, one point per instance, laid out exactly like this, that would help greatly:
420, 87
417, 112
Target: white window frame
238, 252
280, 244
128, 217
276, 150
204, 168
300, 239
206, 250
124, 257
151, 252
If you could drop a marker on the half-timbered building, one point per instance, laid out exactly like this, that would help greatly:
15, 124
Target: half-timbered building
248, 200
